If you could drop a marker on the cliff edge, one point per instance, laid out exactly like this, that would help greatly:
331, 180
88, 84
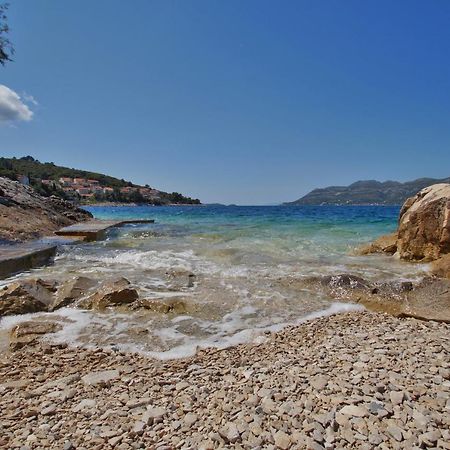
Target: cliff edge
25, 215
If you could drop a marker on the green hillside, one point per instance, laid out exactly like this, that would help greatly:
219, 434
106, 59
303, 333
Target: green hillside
368, 192
38, 171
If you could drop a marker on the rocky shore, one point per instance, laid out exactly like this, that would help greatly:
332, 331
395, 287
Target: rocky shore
357, 380
25, 215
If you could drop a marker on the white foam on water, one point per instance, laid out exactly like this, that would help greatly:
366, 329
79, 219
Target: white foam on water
246, 335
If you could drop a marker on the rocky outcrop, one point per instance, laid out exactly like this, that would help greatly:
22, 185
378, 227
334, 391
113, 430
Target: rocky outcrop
423, 231
24, 214
424, 224
428, 300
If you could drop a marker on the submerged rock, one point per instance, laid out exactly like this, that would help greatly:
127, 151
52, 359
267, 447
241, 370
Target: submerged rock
429, 299
27, 333
165, 307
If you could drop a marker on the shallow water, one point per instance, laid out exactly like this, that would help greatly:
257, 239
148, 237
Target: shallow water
247, 263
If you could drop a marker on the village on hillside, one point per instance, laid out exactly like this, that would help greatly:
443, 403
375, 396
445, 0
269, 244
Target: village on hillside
81, 186
86, 189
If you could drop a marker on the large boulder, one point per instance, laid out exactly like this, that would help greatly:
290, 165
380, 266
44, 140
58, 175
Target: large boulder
424, 224
26, 297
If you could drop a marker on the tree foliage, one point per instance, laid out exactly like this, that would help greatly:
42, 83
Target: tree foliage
6, 47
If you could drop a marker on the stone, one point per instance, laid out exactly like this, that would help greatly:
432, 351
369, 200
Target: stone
230, 433
49, 410
100, 377
153, 413
190, 419
355, 411
424, 224
395, 432
86, 403
319, 382
282, 440
72, 290
396, 397
138, 427
429, 300
111, 293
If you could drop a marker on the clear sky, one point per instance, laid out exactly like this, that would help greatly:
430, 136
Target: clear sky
234, 101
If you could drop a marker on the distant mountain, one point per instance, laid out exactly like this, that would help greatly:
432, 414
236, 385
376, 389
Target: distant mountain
369, 192
84, 186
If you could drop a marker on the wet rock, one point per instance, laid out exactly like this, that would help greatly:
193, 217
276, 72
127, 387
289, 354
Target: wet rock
429, 300
28, 333
384, 244
282, 440
26, 297
441, 267
164, 307
72, 290
111, 293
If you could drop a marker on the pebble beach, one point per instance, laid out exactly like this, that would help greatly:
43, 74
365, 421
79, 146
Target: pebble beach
356, 380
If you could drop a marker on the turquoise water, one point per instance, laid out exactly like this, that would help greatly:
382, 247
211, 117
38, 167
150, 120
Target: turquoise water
238, 271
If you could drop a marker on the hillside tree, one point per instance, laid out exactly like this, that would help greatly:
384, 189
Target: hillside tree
6, 47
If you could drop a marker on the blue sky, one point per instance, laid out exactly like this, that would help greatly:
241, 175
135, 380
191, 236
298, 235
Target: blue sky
236, 101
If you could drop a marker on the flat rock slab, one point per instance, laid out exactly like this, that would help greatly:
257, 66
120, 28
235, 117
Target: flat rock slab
18, 257
100, 377
96, 229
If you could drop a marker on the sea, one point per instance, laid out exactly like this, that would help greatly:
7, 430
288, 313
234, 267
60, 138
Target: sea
238, 271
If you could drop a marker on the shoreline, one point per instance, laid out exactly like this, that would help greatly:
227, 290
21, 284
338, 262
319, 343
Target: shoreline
354, 379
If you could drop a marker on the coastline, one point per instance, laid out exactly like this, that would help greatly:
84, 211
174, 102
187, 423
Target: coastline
357, 379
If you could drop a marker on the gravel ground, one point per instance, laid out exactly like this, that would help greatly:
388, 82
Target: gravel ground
356, 380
